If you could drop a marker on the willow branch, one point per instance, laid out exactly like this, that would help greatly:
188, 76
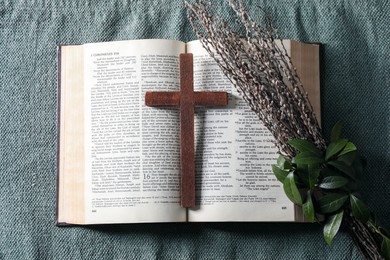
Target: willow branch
261, 70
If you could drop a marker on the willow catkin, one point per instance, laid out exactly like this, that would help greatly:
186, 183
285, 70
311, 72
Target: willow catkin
260, 70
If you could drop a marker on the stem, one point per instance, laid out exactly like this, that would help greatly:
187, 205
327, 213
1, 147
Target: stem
363, 238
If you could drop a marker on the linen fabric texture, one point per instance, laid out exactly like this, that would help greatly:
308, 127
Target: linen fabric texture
354, 87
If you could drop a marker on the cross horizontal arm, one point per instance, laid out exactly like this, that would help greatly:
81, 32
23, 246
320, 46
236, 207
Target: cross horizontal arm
211, 98
159, 99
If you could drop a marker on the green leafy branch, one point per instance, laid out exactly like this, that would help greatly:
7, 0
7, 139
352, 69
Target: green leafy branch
326, 185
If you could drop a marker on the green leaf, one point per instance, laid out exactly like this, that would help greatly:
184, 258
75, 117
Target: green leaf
308, 208
335, 148
308, 158
283, 163
349, 147
325, 172
304, 146
336, 131
291, 189
333, 182
301, 175
383, 231
313, 172
359, 209
341, 166
280, 161
332, 226
332, 202
348, 158
385, 248
279, 173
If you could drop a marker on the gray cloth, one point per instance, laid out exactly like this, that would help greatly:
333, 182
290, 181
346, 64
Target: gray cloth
355, 88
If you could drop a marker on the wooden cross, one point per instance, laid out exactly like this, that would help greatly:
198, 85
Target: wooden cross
186, 100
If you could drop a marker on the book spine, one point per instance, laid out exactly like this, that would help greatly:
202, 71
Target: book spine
58, 61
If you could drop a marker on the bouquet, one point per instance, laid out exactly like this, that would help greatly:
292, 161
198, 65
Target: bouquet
323, 178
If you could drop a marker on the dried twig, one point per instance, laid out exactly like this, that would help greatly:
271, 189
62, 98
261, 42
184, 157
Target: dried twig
262, 72
363, 238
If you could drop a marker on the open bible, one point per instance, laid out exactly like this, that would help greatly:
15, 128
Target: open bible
118, 160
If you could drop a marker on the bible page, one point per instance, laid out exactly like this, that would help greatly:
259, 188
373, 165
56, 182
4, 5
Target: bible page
234, 154
132, 151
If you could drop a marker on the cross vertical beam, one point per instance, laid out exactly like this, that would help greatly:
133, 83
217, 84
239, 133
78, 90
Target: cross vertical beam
187, 110
186, 100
